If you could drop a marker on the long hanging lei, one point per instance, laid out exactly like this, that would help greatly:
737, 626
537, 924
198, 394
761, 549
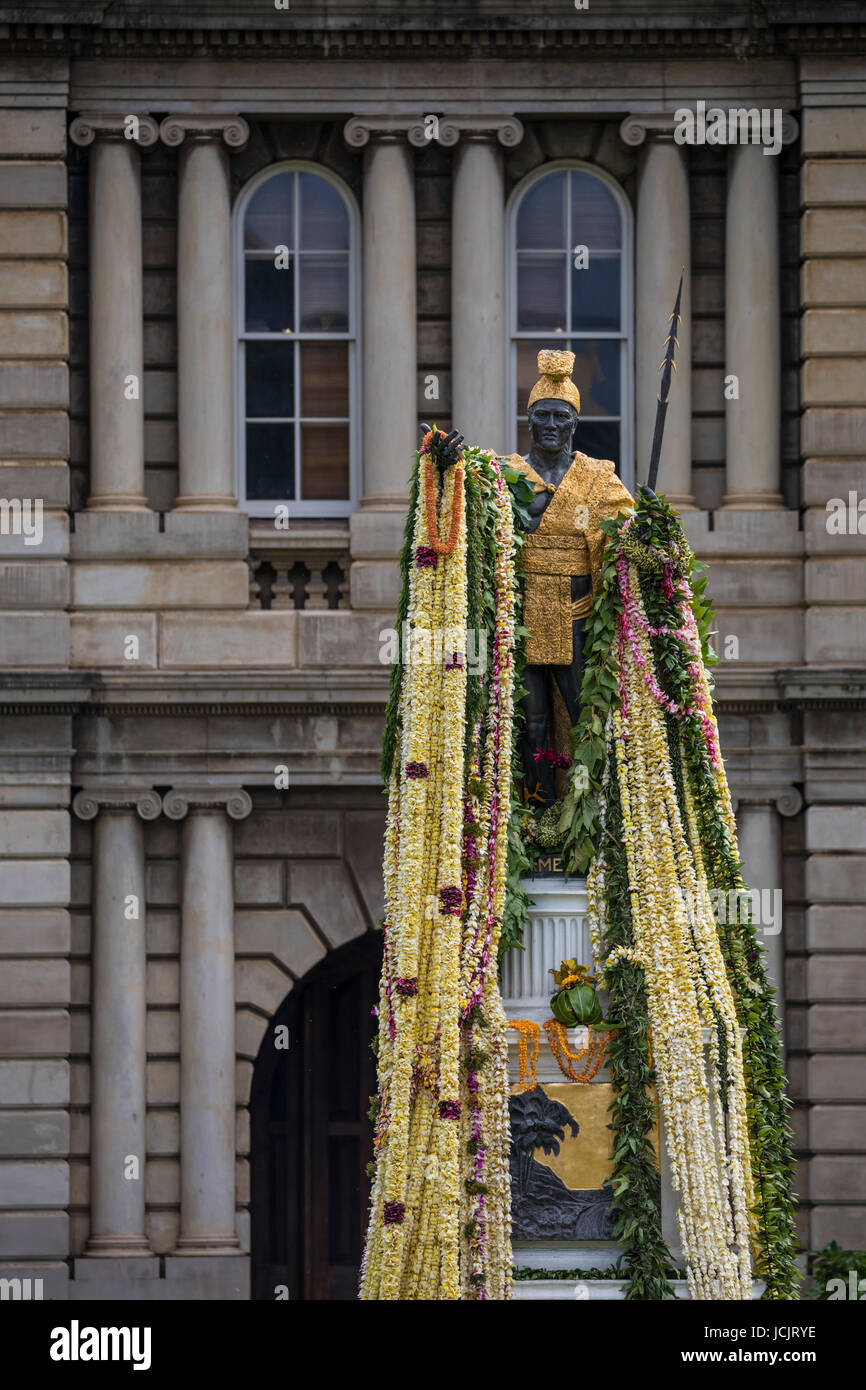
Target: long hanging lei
656, 829
439, 1224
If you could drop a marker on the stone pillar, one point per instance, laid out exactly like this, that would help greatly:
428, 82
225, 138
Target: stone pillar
389, 354
118, 1050
479, 343
759, 832
662, 248
205, 343
752, 331
389, 318
116, 353
207, 1017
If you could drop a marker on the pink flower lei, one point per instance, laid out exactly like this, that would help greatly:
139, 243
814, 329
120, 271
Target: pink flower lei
631, 618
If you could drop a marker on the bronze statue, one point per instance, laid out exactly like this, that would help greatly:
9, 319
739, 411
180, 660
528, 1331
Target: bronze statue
561, 559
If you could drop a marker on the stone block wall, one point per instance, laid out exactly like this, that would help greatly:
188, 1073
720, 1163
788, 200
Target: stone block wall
34, 752
33, 385
833, 387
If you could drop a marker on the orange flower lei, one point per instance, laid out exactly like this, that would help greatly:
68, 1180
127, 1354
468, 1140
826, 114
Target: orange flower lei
440, 547
528, 1037
596, 1046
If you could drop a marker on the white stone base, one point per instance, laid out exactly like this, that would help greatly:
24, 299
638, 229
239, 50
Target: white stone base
581, 1290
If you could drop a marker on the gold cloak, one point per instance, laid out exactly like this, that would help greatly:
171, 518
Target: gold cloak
567, 543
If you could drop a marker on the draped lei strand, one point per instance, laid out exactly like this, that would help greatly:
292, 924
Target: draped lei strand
439, 1223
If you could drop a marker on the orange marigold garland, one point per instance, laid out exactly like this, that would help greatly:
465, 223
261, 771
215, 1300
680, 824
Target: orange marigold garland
594, 1051
528, 1044
439, 547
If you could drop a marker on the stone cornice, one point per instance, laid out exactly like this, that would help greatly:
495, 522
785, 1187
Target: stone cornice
233, 800
88, 30
417, 128
232, 130
87, 803
90, 124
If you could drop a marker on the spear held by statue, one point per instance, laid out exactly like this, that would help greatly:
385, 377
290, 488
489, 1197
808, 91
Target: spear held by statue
667, 366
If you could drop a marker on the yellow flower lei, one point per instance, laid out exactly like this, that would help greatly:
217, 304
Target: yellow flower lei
688, 991
428, 1231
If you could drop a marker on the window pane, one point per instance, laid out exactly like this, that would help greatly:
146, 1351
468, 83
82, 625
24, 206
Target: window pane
271, 463
324, 293
595, 295
270, 378
268, 219
541, 302
595, 219
325, 462
324, 216
269, 297
598, 438
596, 375
325, 379
541, 217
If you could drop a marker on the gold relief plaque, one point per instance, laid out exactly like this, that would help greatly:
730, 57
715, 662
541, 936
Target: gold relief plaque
560, 1158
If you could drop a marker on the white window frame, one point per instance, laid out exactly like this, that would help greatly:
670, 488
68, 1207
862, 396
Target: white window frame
626, 334
298, 507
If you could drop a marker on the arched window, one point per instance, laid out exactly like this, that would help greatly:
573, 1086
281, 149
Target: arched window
570, 287
297, 314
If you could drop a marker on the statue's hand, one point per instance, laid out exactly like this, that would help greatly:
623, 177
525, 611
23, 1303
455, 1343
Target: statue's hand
444, 448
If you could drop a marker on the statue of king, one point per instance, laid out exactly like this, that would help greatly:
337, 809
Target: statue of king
561, 558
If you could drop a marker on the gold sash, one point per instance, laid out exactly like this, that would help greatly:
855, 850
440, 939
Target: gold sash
568, 543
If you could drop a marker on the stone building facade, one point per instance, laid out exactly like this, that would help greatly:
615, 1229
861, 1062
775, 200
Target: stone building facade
191, 685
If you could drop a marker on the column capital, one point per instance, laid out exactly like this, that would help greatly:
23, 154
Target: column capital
641, 126
233, 800
136, 127
201, 126
422, 130
87, 803
659, 126
787, 800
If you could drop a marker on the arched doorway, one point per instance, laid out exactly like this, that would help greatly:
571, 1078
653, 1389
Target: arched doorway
310, 1136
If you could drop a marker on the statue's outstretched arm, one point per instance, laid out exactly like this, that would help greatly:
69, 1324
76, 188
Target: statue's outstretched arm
444, 449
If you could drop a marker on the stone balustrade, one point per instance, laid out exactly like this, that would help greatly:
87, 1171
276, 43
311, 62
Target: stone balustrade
306, 568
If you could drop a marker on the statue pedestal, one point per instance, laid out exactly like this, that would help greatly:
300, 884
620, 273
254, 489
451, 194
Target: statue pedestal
557, 1193
557, 930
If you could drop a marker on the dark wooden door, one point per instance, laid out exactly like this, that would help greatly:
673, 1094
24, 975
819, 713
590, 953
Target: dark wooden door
310, 1136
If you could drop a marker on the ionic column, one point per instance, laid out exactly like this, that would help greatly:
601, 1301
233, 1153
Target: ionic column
390, 416
118, 1050
753, 403
116, 353
478, 328
759, 833
205, 416
389, 320
663, 247
207, 1017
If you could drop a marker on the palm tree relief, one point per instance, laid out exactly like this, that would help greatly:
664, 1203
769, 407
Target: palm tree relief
542, 1207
